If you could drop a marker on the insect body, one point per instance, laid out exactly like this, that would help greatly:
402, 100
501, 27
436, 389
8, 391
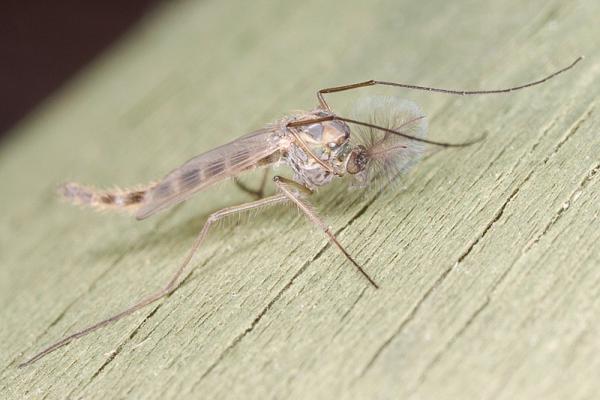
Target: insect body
319, 153
318, 146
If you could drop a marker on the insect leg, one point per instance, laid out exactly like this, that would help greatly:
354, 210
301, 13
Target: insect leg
263, 183
173, 282
342, 88
293, 192
258, 194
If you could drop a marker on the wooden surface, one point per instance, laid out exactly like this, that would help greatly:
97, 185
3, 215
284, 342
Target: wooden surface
488, 256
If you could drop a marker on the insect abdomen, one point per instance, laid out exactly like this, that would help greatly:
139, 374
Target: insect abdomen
120, 200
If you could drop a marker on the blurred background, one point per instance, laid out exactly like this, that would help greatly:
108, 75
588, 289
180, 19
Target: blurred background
43, 43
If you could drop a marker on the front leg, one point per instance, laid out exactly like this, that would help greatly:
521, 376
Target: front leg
293, 191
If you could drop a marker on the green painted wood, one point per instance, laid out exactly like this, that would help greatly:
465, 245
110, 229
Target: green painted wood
487, 256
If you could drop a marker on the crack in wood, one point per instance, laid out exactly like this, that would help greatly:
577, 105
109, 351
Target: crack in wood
256, 320
354, 303
514, 44
588, 177
421, 379
404, 322
564, 207
442, 277
88, 290
62, 314
495, 219
113, 354
574, 128
583, 183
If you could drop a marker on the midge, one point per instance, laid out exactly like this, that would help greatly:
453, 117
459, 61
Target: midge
317, 145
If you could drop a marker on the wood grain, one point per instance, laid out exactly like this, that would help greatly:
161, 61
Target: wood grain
487, 256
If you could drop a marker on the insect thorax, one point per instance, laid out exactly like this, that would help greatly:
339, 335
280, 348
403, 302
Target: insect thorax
328, 141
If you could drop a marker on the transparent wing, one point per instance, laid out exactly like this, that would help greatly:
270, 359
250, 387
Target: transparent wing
210, 167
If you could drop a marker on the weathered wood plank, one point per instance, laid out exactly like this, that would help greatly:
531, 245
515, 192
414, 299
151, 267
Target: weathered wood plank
488, 258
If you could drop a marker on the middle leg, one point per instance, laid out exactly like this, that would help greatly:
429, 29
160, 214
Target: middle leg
258, 194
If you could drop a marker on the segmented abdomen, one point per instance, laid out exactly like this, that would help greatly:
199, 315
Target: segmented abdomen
118, 199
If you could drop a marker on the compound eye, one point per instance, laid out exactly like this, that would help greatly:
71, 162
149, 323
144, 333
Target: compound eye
357, 161
315, 131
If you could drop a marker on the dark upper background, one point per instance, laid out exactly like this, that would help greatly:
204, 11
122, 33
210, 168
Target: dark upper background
43, 43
